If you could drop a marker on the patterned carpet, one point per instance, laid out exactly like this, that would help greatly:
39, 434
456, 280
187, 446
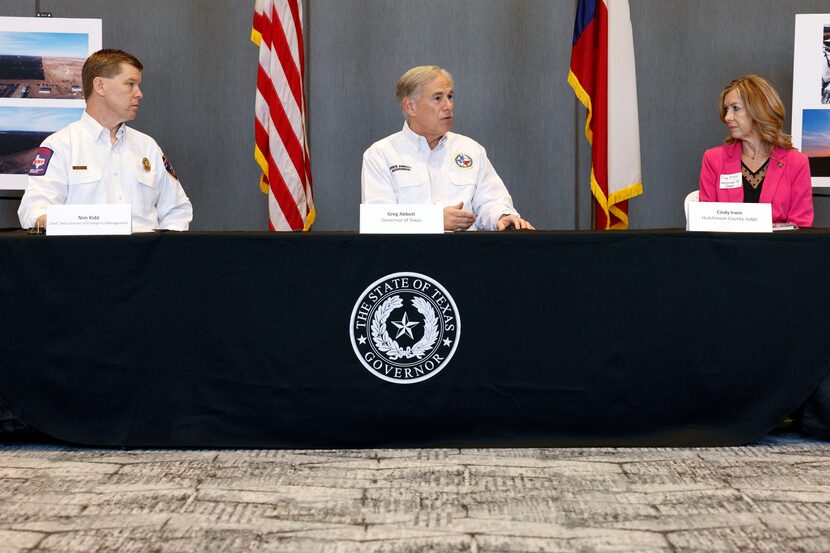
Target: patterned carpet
770, 496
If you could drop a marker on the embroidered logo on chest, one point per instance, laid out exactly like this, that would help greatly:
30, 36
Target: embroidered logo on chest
464, 161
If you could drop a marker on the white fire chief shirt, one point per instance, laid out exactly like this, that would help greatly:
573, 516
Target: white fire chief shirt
401, 169
79, 165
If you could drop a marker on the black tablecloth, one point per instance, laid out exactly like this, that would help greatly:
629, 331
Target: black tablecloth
242, 340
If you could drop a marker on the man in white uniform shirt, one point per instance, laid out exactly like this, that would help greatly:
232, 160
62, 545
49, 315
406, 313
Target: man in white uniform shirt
99, 160
425, 163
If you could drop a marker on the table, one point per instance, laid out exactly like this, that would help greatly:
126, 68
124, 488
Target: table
566, 338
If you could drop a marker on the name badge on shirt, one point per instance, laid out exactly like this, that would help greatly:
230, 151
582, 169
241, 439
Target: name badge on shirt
728, 182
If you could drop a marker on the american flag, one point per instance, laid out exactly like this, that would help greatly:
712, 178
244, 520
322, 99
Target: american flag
280, 129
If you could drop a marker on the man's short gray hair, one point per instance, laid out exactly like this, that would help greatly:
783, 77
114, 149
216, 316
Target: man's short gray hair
411, 81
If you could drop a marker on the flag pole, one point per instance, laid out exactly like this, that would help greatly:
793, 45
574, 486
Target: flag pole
576, 163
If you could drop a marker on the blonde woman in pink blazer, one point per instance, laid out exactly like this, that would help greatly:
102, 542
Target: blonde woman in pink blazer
757, 163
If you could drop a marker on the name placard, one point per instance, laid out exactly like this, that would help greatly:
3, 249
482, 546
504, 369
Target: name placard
729, 217
401, 219
88, 219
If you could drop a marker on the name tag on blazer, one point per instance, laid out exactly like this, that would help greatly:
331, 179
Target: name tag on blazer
728, 182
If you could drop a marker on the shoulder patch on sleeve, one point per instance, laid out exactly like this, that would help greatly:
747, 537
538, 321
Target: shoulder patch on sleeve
41, 162
168, 166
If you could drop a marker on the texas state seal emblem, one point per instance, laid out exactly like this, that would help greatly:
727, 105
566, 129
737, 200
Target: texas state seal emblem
405, 328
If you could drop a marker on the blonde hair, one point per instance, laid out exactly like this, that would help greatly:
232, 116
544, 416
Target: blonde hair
409, 84
764, 107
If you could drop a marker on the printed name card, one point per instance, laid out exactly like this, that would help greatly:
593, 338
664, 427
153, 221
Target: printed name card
729, 217
401, 219
88, 220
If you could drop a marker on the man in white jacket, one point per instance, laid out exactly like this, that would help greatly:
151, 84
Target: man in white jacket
99, 160
425, 163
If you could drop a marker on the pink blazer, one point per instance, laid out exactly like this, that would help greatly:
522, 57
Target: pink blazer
786, 186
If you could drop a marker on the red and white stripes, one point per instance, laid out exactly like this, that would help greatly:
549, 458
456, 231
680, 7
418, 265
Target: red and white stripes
280, 129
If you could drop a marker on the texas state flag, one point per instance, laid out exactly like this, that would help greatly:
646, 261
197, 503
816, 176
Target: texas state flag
603, 77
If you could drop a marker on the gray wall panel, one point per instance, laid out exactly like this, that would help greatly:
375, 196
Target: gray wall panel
509, 58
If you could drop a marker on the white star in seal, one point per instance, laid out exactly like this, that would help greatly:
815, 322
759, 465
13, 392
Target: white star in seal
362, 340
447, 342
404, 327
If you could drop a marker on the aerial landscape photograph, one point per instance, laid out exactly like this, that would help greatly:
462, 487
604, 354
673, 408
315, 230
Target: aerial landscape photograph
42, 65
22, 129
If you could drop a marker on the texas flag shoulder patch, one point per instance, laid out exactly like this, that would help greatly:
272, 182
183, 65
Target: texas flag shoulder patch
41, 162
